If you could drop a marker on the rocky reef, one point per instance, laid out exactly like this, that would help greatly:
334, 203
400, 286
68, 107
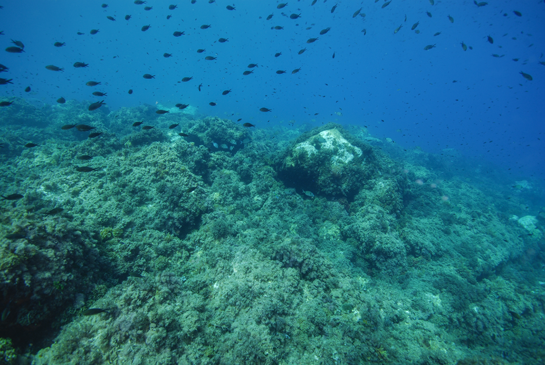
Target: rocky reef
229, 245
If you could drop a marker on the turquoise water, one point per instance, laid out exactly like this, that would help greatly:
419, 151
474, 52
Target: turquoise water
385, 205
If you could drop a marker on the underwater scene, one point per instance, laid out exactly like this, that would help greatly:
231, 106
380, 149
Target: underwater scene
272, 182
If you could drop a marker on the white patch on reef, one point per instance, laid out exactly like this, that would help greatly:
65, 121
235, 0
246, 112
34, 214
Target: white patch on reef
190, 110
529, 223
330, 139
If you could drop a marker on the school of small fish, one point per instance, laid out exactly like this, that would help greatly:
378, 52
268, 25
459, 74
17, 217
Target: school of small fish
292, 10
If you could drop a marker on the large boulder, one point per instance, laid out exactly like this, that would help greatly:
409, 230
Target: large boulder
327, 161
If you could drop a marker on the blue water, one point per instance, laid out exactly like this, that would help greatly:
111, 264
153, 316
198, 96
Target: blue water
444, 97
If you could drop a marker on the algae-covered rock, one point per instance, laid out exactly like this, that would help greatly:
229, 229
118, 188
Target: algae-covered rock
327, 161
529, 222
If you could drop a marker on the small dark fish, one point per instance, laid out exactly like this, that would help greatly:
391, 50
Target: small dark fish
248, 125
295, 16
296, 70
265, 110
278, 27
3, 68
15, 236
146, 27
312, 40
436, 34
192, 189
229, 7
148, 8
104, 6
490, 39
517, 13
31, 145
398, 28
172, 7
482, 3
183, 135
212, 103
200, 50
199, 87
182, 106
280, 72
94, 31
54, 68
27, 89
111, 18
61, 100
193, 1
333, 8
93, 311
252, 65
186, 79
278, 54
210, 58
282, 5
92, 83
12, 197
86, 168
18, 43
270, 17
429, 46
84, 157
172, 126
95, 135
167, 55
415, 25
225, 92
147, 127
205, 26
178, 34
84, 128
98, 93
6, 103
58, 44
223, 40
302, 51
80, 33
356, 13
95, 106
130, 91
54, 211
14, 50
68, 126
80, 64
160, 111
451, 19
148, 76
5, 81
428, 13
464, 46
136, 124
169, 16
333, 55
127, 17
364, 32
313, 2
139, 2
526, 76
386, 4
